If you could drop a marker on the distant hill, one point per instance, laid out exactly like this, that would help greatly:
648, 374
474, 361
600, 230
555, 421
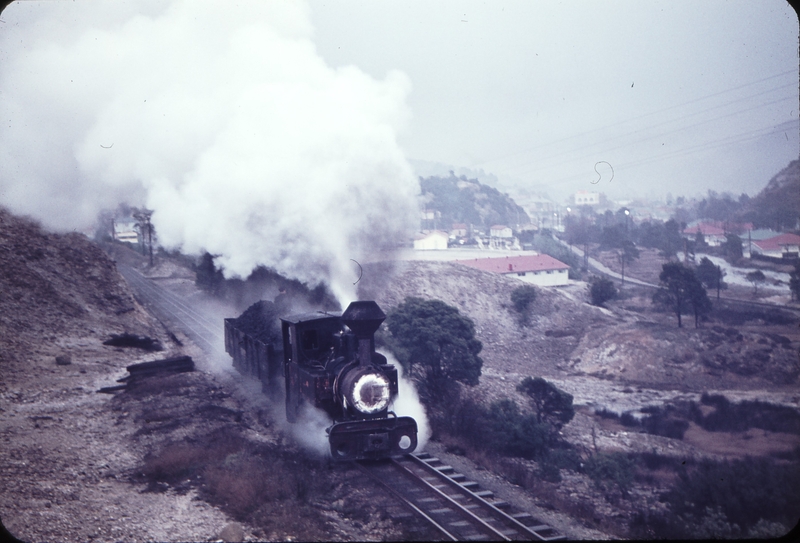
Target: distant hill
777, 206
462, 200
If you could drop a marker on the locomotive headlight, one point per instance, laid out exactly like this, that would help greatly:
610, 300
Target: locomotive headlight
369, 392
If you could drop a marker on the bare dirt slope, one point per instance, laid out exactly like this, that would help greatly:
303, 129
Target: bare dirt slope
64, 459
188, 457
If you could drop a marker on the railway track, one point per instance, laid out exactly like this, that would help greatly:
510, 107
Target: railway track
456, 507
173, 312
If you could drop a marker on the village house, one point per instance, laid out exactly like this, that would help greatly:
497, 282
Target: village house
540, 270
501, 231
459, 230
431, 241
781, 246
714, 236
125, 230
586, 198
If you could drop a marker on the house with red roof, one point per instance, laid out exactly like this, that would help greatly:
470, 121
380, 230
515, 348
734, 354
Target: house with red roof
713, 235
541, 270
780, 246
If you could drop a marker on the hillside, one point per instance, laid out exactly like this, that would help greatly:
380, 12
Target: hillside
468, 201
777, 206
54, 288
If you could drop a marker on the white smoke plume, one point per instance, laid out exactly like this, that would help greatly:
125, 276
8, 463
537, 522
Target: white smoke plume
407, 404
222, 118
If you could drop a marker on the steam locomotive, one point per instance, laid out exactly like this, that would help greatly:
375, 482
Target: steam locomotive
327, 360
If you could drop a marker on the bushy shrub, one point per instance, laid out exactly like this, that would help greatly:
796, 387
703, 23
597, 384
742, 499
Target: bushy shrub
610, 469
602, 290
627, 419
522, 297
744, 491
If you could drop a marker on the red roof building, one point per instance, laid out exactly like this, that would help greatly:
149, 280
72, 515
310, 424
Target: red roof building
782, 246
542, 270
713, 235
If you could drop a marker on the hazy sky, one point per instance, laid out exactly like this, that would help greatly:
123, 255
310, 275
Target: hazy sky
677, 96
255, 107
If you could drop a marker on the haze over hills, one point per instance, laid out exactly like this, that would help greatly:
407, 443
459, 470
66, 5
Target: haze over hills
468, 201
778, 204
746, 161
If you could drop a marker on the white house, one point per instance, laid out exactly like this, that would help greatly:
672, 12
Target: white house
541, 270
431, 241
501, 231
712, 235
586, 198
781, 246
125, 230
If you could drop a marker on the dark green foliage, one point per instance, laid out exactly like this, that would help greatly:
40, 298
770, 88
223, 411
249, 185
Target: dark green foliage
745, 491
435, 344
613, 237
681, 291
672, 239
731, 417
602, 291
662, 422
462, 200
777, 205
545, 243
756, 278
610, 469
209, 278
516, 434
551, 404
522, 298
711, 275
732, 248
794, 281
627, 419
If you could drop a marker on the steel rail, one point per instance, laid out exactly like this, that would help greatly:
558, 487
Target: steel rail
434, 496
449, 499
454, 484
158, 298
172, 298
407, 502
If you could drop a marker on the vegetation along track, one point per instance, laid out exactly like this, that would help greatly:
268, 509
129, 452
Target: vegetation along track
454, 506
173, 311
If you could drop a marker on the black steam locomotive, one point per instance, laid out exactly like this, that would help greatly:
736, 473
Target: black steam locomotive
328, 361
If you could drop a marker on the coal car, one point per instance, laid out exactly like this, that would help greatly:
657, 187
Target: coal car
326, 360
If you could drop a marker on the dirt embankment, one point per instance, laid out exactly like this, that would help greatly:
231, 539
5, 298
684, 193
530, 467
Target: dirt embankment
187, 457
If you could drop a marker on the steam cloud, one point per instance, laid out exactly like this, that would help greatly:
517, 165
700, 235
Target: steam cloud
222, 119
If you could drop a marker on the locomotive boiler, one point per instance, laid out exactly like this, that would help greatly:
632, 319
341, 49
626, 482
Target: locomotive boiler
327, 360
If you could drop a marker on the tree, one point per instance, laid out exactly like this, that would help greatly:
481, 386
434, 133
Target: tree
672, 240
146, 229
602, 290
698, 300
628, 253
794, 281
732, 247
757, 278
680, 290
208, 277
551, 404
710, 275
522, 297
435, 344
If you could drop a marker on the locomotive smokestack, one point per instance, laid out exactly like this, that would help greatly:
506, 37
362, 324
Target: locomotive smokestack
364, 318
